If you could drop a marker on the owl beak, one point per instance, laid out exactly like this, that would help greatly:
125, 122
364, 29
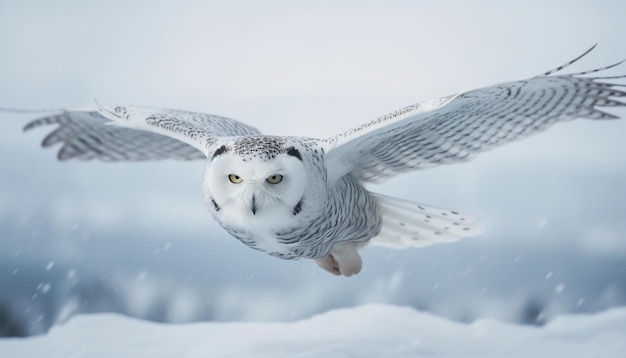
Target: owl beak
253, 205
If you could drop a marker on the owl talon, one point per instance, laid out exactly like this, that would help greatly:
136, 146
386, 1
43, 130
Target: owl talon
344, 259
329, 264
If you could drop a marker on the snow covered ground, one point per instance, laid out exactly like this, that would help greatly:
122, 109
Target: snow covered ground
364, 331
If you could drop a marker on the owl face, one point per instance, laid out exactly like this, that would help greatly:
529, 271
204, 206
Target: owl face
268, 189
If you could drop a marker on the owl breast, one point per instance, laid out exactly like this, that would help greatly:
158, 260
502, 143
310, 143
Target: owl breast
349, 214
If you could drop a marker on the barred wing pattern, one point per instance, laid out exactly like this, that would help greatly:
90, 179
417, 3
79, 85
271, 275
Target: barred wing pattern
456, 128
136, 133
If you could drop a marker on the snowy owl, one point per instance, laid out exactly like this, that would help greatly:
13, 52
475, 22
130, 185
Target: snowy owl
298, 197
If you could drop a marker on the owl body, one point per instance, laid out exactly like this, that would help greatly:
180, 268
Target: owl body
302, 215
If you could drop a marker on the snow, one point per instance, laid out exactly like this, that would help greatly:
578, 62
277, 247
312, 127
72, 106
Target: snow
364, 331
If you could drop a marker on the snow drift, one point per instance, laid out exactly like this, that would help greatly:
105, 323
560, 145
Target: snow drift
365, 331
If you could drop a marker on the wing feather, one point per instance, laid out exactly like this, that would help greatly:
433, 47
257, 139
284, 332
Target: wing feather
136, 133
456, 128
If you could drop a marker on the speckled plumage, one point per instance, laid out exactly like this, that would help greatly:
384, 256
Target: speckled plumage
294, 197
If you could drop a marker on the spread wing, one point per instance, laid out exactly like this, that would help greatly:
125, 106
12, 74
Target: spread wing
136, 133
456, 128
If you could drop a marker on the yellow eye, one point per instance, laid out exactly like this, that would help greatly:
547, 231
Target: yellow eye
235, 179
274, 179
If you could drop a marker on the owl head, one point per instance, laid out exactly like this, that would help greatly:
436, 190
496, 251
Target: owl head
259, 181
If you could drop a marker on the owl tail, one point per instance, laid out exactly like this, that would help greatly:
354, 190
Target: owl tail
409, 224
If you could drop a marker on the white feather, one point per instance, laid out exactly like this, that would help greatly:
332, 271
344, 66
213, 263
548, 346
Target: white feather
410, 224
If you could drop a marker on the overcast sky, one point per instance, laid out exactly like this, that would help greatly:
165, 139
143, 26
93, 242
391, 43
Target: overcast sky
312, 69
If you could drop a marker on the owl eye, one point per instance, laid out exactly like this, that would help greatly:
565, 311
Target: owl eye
235, 179
274, 179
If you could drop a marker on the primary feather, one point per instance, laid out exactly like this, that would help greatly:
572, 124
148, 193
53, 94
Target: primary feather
456, 128
136, 133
